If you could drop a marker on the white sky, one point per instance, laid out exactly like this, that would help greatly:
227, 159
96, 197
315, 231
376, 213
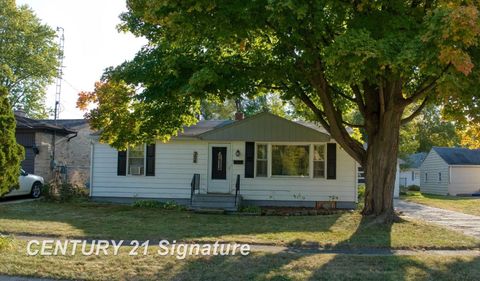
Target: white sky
92, 43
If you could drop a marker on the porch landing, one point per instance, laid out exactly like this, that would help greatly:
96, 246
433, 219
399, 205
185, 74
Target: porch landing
216, 201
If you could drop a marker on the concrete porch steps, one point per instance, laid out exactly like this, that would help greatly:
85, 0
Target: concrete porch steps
216, 201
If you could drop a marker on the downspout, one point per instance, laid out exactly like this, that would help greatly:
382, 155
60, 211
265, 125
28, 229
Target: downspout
74, 136
92, 154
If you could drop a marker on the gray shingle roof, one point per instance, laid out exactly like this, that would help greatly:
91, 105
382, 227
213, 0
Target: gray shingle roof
415, 160
67, 123
459, 156
203, 126
34, 124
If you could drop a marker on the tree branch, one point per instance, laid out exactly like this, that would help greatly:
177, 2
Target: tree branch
423, 91
415, 113
353, 125
359, 99
339, 92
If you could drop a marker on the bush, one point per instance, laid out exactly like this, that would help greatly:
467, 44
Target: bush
403, 190
64, 192
361, 192
251, 209
169, 205
413, 187
147, 204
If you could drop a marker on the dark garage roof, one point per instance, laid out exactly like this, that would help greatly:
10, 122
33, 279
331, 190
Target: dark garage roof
459, 156
38, 125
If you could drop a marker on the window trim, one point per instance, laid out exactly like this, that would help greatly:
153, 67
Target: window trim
144, 162
310, 159
324, 161
256, 160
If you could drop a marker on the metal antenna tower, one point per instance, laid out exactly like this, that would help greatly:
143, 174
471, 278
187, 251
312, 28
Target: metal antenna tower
58, 84
58, 90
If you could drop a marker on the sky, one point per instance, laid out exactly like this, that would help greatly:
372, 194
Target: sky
92, 43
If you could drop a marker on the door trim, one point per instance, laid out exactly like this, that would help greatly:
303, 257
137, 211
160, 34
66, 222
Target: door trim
228, 167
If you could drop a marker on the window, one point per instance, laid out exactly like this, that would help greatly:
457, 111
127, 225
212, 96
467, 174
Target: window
413, 175
290, 160
426, 177
136, 160
439, 176
319, 161
262, 160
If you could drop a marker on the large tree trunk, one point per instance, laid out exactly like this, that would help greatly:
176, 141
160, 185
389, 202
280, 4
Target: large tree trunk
380, 165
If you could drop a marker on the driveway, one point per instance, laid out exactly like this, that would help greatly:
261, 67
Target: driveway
467, 224
15, 200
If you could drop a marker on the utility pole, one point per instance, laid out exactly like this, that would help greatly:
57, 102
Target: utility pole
58, 87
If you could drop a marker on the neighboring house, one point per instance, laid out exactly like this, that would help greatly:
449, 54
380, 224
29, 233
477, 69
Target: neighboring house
410, 169
70, 154
451, 171
266, 159
75, 153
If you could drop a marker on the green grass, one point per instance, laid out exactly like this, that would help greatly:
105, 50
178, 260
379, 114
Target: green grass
104, 221
459, 204
256, 266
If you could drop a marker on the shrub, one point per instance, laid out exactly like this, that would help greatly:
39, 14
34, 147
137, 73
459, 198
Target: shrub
361, 192
414, 187
64, 192
251, 209
147, 204
169, 205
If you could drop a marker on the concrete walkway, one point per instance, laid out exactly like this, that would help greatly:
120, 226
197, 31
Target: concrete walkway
467, 224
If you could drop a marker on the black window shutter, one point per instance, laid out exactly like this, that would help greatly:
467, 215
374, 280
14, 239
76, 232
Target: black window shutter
122, 163
331, 161
150, 170
249, 159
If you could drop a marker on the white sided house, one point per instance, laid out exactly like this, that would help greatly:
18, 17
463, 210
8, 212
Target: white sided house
263, 160
451, 171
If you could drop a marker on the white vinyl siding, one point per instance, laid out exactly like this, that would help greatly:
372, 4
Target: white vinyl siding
174, 170
299, 189
430, 180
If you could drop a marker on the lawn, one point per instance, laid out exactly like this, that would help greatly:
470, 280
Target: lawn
459, 204
105, 221
257, 266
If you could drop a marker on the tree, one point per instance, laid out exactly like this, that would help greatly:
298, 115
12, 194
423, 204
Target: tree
28, 58
381, 58
214, 109
11, 153
428, 130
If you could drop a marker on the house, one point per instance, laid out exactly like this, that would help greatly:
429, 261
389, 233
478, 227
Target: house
74, 154
265, 160
50, 145
451, 171
410, 169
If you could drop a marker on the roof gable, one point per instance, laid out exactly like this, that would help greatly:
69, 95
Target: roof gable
267, 127
458, 156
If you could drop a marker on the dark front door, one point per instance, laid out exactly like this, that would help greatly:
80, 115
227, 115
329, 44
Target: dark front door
219, 163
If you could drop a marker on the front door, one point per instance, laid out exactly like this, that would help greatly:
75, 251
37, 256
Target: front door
218, 178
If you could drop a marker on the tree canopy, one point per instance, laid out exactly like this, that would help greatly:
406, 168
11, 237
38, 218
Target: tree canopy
385, 60
28, 57
11, 153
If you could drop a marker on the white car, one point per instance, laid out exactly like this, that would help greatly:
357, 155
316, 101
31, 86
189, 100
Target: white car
29, 185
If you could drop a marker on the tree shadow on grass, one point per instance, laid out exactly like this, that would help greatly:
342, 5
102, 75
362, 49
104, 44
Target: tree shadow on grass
291, 265
105, 221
